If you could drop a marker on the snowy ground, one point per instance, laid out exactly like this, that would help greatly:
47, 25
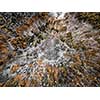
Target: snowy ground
51, 51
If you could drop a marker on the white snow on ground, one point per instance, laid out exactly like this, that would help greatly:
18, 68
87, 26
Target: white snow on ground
50, 49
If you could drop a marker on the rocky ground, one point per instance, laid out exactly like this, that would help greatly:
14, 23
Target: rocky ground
49, 49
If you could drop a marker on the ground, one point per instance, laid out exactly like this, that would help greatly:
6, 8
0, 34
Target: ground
49, 49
